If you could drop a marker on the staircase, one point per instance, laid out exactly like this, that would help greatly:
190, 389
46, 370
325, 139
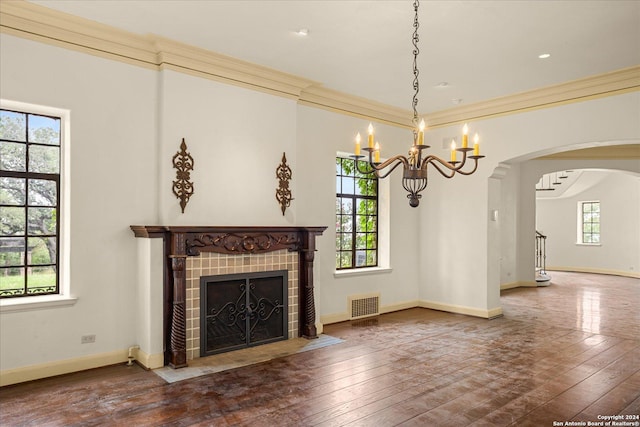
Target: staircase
542, 278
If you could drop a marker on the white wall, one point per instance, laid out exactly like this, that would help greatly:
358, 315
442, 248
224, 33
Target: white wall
619, 250
457, 236
113, 184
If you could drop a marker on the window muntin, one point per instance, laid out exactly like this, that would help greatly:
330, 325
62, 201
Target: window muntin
589, 222
29, 203
356, 216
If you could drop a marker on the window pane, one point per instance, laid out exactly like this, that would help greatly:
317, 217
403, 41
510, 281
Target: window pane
348, 184
44, 130
12, 191
42, 192
13, 156
42, 221
44, 159
11, 281
42, 250
361, 223
361, 241
347, 206
12, 221
347, 241
586, 238
361, 258
586, 228
371, 258
11, 252
13, 126
586, 207
371, 241
346, 223
372, 224
372, 207
345, 259
595, 207
41, 280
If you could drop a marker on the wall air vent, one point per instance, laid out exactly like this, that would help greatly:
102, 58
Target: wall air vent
361, 306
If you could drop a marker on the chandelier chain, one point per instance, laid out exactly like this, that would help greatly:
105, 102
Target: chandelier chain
416, 85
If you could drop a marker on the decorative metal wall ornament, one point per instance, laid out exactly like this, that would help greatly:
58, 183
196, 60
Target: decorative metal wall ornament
182, 186
283, 193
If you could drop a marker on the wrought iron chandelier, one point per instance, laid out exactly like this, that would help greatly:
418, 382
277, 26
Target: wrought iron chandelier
415, 165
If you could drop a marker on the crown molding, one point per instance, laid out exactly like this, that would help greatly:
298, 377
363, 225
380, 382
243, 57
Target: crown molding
598, 86
38, 23
332, 100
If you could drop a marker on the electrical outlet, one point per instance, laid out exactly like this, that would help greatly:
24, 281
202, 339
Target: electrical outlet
87, 339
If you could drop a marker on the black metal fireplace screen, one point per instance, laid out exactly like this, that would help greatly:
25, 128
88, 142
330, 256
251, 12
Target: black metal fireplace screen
242, 310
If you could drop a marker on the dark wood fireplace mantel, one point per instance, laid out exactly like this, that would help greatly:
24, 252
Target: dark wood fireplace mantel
181, 242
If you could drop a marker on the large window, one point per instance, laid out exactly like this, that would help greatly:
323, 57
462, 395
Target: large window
356, 216
589, 222
29, 203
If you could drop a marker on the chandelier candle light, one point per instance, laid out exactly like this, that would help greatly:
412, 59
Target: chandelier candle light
414, 178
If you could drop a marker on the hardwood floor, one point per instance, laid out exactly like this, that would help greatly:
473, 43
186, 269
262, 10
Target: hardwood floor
567, 352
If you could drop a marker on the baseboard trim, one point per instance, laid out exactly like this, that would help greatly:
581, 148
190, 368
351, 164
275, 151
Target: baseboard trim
450, 308
519, 284
461, 309
399, 306
150, 361
60, 367
631, 274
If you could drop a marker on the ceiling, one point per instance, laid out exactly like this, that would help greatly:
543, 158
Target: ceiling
481, 49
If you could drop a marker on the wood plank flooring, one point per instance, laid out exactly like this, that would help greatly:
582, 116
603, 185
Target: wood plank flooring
568, 352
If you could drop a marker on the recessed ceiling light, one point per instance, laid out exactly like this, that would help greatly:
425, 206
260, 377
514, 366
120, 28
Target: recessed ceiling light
303, 32
544, 55
456, 101
442, 85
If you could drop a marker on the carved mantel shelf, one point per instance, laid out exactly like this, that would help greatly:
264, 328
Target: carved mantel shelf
181, 242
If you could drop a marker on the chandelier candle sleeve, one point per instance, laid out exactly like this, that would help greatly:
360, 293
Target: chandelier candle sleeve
370, 129
465, 136
476, 145
453, 151
421, 133
376, 153
357, 152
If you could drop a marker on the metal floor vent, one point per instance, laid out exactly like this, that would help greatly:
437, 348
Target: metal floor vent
361, 306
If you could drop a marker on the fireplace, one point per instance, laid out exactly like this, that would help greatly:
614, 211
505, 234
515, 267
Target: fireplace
238, 246
242, 310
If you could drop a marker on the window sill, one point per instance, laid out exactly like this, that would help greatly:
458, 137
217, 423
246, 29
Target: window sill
361, 272
34, 303
588, 244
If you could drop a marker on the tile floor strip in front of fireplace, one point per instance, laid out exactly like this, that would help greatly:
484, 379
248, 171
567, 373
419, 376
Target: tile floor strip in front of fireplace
248, 356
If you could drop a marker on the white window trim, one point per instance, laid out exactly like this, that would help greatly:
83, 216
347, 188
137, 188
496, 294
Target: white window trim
579, 215
384, 231
64, 298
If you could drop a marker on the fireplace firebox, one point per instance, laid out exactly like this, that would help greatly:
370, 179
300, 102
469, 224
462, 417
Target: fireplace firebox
242, 310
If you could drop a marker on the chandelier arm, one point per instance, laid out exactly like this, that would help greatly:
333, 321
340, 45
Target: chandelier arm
475, 166
401, 160
377, 168
431, 160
